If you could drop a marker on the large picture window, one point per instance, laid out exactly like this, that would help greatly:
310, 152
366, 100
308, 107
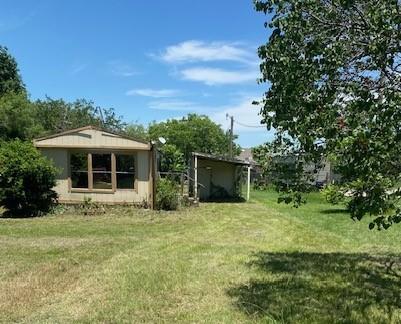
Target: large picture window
125, 170
102, 171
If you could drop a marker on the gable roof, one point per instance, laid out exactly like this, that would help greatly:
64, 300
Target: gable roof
91, 137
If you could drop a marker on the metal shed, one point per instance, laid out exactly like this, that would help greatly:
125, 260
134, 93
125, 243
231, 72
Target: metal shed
218, 178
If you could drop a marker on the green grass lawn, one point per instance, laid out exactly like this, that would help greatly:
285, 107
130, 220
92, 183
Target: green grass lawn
232, 263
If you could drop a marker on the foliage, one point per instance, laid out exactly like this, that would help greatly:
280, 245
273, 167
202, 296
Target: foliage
335, 73
20, 118
26, 179
167, 194
333, 194
56, 115
193, 133
171, 159
90, 208
286, 169
10, 79
136, 130
17, 117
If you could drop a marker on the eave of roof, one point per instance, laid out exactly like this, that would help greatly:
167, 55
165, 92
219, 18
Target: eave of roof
90, 127
220, 158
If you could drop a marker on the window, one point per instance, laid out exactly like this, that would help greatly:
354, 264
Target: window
101, 171
79, 170
125, 171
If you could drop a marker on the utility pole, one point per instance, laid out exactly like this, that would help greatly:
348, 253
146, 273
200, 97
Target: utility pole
231, 133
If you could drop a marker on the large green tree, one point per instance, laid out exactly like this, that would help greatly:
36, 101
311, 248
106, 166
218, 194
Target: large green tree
334, 74
17, 117
193, 133
10, 79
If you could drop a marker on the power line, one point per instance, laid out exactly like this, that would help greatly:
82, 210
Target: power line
250, 126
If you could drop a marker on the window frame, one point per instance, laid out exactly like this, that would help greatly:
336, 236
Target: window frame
135, 155
114, 188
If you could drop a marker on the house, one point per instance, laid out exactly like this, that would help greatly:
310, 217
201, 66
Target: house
256, 170
246, 155
107, 167
217, 178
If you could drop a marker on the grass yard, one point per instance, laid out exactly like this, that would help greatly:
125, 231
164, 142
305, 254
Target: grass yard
230, 263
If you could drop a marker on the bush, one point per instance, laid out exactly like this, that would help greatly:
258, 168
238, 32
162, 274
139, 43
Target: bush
26, 179
166, 195
333, 194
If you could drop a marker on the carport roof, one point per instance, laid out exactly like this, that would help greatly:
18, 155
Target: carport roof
206, 156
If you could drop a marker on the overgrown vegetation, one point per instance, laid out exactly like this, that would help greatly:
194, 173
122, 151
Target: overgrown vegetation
26, 179
167, 194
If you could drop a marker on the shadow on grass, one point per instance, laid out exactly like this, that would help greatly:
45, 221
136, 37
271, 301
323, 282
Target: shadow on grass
322, 287
334, 211
5, 214
232, 200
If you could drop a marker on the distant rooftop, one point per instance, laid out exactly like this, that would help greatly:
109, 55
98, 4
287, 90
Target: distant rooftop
246, 155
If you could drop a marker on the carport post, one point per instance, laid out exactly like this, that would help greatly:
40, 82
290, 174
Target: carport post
196, 177
248, 189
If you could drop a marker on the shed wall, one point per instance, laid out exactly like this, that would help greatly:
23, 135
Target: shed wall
217, 172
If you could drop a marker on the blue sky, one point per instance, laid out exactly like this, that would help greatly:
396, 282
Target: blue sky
150, 60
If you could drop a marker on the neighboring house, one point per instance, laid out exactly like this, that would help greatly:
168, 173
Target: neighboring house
106, 167
246, 155
256, 171
217, 178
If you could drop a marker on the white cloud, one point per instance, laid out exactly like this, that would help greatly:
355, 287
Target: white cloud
172, 105
120, 68
215, 76
154, 93
78, 68
196, 51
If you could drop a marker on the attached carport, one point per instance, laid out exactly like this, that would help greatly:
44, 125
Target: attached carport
217, 178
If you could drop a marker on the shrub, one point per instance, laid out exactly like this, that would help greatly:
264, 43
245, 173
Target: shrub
26, 179
333, 194
166, 195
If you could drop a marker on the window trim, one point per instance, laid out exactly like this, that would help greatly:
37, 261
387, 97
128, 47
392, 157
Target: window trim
114, 188
135, 174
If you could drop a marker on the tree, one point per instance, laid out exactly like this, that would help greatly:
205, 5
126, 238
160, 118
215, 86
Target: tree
10, 79
136, 130
334, 69
26, 179
17, 119
193, 133
171, 159
56, 115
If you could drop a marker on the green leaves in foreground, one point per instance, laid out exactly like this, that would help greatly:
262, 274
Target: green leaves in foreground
334, 70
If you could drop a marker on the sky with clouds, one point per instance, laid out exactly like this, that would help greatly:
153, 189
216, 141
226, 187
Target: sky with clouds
150, 60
